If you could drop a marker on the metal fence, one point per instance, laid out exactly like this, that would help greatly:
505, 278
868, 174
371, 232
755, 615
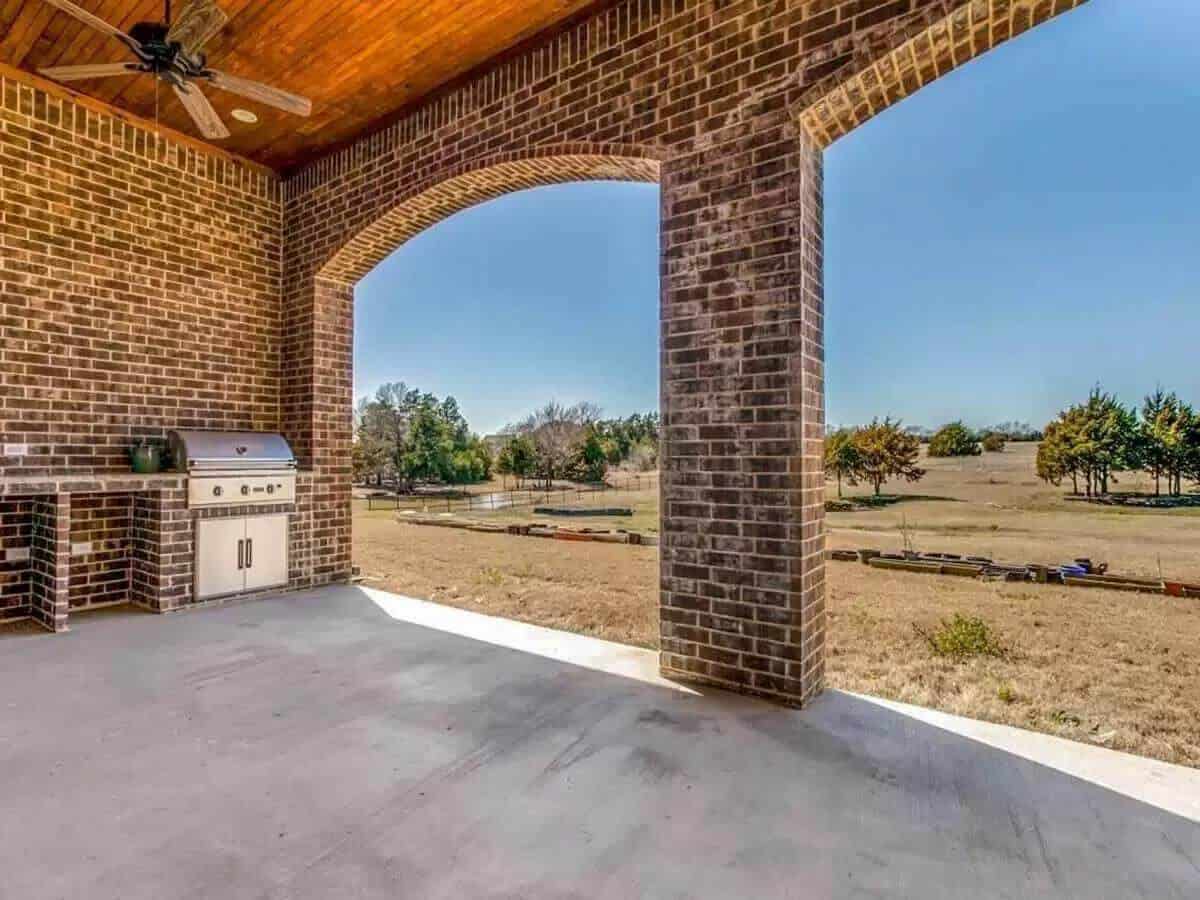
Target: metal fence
516, 498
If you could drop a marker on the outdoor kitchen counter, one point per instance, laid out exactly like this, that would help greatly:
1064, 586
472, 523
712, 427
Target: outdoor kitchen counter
102, 483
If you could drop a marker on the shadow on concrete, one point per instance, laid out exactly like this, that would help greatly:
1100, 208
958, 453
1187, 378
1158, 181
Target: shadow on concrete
311, 745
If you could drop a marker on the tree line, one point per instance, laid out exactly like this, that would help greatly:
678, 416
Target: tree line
405, 436
1092, 441
572, 443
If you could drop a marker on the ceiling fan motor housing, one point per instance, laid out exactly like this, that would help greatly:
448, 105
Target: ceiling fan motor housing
153, 38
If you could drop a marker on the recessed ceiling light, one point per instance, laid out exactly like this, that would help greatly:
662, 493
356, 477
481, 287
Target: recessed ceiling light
244, 115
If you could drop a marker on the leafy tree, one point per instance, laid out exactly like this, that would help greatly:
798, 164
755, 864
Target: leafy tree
472, 463
1090, 441
517, 457
1169, 440
1055, 456
622, 438
643, 456
554, 430
407, 435
1158, 433
994, 442
358, 462
841, 457
954, 439
590, 459
1110, 439
428, 450
885, 451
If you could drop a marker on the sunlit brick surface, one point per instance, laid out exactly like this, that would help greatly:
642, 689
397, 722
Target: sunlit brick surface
839, 103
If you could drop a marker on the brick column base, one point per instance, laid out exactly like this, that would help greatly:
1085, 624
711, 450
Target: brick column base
162, 550
50, 562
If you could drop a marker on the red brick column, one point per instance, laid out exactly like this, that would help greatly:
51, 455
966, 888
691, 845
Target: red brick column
162, 550
742, 403
50, 561
318, 421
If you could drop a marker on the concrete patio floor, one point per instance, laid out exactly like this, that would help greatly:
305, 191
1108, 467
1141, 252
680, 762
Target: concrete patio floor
333, 745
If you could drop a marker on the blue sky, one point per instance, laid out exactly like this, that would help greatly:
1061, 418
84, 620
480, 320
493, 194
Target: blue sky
1015, 233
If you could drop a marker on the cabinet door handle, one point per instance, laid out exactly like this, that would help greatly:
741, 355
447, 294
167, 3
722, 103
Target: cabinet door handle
241, 554
249, 552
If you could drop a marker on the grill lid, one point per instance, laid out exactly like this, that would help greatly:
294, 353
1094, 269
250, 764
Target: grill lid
245, 450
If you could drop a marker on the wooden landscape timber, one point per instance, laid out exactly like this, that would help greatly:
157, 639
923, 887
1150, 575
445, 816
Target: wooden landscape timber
1093, 576
533, 529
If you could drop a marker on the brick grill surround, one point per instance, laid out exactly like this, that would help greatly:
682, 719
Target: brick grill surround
147, 286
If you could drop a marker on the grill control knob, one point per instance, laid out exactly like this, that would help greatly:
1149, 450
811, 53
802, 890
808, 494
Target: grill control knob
245, 490
270, 488
217, 490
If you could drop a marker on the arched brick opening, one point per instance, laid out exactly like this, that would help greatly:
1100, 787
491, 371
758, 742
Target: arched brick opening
731, 105
460, 187
837, 104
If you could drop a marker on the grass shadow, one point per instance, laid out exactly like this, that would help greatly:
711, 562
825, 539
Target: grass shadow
883, 501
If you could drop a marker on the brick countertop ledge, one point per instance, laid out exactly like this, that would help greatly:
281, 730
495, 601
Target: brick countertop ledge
105, 482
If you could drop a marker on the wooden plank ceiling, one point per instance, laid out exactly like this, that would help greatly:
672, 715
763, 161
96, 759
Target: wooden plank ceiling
358, 60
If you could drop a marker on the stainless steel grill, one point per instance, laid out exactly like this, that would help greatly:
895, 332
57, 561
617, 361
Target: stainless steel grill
227, 468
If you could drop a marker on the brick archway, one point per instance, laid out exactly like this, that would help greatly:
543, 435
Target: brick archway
424, 204
941, 39
730, 105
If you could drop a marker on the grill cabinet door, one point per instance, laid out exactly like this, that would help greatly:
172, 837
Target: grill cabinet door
266, 552
220, 544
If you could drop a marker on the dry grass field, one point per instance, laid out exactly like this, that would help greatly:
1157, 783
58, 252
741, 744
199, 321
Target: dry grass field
1117, 669
993, 505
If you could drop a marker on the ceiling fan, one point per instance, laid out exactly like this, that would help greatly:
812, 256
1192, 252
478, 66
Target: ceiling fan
171, 51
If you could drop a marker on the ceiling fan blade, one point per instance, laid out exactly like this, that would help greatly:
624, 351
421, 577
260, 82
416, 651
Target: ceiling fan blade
196, 25
96, 22
263, 93
201, 111
99, 70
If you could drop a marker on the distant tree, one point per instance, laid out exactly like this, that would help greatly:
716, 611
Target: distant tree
589, 461
554, 430
1158, 433
1055, 456
428, 451
885, 451
409, 436
841, 457
517, 457
1016, 431
994, 442
1090, 441
360, 470
383, 423
954, 439
1110, 440
621, 438
472, 463
643, 456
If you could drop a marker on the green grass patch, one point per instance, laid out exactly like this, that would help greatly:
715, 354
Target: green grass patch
962, 638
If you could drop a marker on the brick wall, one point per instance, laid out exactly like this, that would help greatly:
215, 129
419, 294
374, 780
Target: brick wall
102, 529
139, 286
16, 535
49, 561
